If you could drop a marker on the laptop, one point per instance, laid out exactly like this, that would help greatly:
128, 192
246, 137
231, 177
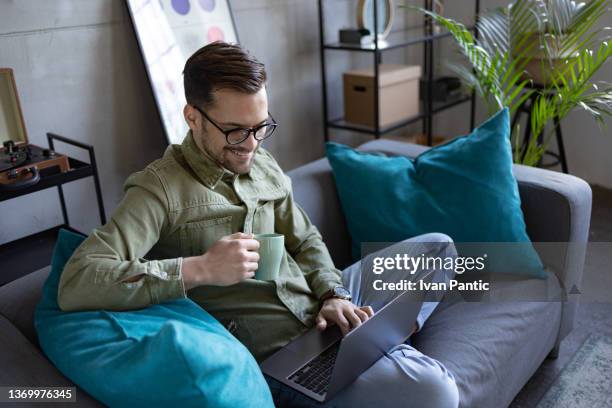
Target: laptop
319, 364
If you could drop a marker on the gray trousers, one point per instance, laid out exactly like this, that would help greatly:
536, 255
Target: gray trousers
403, 377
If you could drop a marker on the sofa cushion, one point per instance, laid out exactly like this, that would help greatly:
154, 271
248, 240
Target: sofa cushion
494, 344
464, 188
173, 353
315, 191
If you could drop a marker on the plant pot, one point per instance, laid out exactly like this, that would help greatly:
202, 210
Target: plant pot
541, 66
541, 70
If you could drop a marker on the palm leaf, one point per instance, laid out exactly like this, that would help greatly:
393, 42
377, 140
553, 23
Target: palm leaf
483, 63
580, 72
583, 18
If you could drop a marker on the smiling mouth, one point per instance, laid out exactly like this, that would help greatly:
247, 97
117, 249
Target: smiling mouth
241, 154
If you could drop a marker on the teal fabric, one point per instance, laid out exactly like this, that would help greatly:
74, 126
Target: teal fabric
464, 188
171, 354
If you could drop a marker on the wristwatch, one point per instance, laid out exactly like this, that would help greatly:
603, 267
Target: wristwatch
337, 292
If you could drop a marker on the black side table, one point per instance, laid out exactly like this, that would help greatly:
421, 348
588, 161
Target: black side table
33, 252
560, 158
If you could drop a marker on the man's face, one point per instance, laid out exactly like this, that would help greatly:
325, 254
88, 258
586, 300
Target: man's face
230, 109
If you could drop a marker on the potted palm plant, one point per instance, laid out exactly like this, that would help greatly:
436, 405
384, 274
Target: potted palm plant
544, 50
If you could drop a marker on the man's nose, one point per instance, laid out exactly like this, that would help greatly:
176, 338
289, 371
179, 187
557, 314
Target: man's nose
250, 143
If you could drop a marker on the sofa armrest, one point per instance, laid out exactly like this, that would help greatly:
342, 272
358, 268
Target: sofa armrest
557, 210
23, 365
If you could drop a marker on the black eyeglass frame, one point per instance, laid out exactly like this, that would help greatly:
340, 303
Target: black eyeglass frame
252, 130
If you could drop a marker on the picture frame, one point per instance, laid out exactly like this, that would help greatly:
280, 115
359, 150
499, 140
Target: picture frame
168, 32
12, 125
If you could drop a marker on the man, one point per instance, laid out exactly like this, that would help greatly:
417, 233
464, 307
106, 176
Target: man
185, 228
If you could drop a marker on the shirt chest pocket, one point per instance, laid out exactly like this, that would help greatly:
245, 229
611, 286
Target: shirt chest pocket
196, 237
263, 221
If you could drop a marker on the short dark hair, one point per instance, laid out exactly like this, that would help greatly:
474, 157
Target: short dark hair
220, 65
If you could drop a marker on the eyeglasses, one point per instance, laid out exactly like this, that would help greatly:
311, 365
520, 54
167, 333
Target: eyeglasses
238, 135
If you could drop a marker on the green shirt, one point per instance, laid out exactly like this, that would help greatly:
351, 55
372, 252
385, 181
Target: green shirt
180, 205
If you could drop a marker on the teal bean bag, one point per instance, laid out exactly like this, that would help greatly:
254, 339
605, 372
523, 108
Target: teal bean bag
170, 354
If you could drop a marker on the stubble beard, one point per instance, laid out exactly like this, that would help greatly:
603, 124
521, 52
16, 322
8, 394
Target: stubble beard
225, 160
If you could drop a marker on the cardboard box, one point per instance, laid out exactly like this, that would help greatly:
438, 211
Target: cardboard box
398, 94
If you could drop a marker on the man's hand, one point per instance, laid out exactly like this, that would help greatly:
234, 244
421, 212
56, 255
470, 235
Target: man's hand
343, 313
230, 260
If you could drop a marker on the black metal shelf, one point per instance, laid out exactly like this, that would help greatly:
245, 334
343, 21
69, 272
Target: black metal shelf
33, 252
340, 123
425, 35
396, 39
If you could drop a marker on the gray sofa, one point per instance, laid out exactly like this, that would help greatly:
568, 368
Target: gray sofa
492, 346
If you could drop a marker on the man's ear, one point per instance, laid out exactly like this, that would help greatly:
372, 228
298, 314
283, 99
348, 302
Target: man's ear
191, 117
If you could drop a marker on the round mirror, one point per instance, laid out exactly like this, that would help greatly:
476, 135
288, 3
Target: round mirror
384, 11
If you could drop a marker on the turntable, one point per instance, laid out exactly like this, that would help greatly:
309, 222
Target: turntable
20, 162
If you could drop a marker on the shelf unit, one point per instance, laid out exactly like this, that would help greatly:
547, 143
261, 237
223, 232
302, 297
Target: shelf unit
399, 39
25, 255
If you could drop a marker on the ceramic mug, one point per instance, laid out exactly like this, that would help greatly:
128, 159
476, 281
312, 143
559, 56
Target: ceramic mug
271, 249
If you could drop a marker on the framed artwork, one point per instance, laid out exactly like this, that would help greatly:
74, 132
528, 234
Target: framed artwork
168, 32
12, 126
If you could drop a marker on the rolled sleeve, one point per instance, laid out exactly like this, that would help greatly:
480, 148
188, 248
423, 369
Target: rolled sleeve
165, 280
100, 274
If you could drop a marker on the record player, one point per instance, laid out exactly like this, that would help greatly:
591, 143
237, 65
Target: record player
20, 162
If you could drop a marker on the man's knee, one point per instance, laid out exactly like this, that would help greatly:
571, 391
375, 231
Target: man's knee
438, 389
441, 243
434, 385
436, 237
404, 377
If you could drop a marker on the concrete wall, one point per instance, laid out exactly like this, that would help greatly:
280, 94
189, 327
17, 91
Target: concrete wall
79, 73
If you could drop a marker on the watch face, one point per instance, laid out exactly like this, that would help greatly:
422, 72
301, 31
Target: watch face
339, 291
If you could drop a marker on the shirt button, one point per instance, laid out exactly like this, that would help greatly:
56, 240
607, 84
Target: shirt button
163, 275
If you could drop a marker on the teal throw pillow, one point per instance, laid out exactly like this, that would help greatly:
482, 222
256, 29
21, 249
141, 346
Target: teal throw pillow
464, 188
170, 354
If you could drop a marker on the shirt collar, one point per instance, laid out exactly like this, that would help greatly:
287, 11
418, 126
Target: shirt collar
205, 167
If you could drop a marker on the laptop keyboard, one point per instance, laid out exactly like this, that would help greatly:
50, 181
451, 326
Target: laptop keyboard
316, 374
